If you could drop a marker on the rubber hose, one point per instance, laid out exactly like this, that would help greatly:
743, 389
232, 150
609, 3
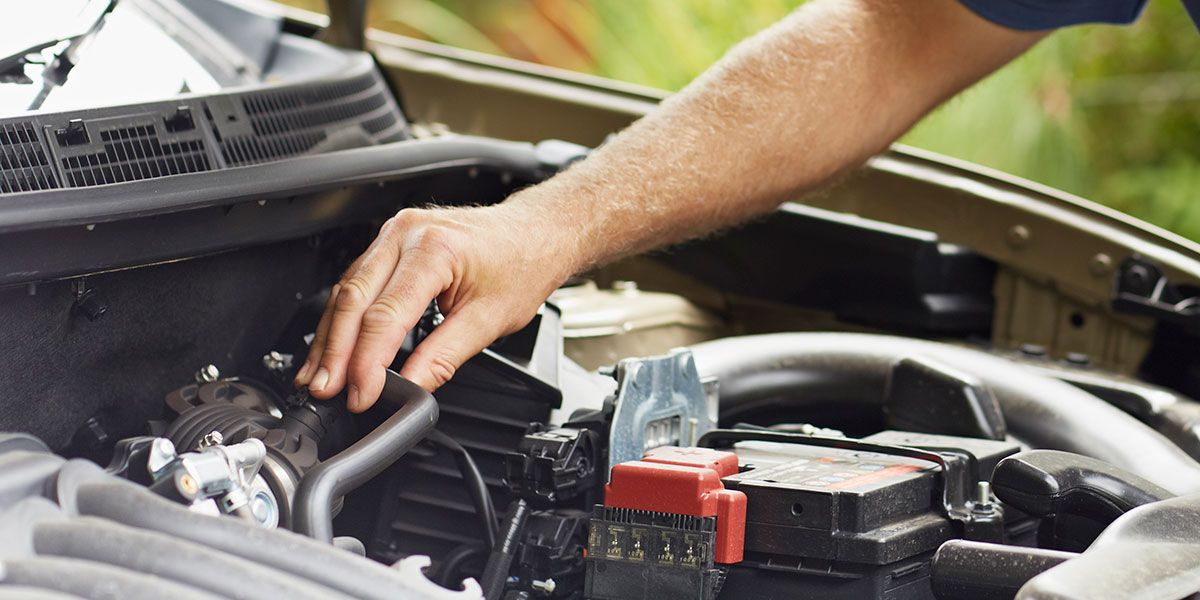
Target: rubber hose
453, 561
312, 508
811, 368
291, 553
24, 473
476, 487
965, 570
152, 553
94, 580
189, 428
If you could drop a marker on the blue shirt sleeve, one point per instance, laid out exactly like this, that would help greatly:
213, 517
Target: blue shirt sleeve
1034, 15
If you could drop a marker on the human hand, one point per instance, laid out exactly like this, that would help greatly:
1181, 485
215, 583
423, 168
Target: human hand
490, 269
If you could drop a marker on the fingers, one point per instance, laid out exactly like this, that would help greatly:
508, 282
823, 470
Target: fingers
419, 255
461, 336
305, 374
344, 315
419, 278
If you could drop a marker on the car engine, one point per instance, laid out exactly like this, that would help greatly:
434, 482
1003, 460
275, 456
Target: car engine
810, 406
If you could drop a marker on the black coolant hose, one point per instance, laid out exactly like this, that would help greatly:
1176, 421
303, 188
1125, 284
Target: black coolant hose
416, 416
811, 369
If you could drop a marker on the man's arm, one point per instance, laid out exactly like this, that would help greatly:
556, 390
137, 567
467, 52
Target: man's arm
781, 114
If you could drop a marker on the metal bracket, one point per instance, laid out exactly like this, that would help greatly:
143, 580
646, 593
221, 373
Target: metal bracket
660, 401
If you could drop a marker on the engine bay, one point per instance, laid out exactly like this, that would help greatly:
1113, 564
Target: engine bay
532, 476
819, 404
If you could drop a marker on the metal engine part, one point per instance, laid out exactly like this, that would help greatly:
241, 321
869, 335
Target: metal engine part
294, 432
660, 401
217, 479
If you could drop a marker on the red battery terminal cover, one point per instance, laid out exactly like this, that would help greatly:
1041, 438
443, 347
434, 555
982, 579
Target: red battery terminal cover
685, 481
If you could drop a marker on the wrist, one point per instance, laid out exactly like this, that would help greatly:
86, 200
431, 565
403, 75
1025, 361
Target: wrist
555, 237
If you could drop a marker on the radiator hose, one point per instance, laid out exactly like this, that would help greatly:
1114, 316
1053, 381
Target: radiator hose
414, 419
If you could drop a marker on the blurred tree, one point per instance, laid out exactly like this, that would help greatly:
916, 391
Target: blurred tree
1109, 113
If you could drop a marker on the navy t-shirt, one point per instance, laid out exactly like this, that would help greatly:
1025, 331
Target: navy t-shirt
1033, 15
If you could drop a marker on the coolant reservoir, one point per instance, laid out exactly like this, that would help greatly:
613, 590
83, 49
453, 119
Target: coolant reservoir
602, 326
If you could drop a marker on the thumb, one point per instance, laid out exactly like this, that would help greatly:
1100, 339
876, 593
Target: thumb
462, 335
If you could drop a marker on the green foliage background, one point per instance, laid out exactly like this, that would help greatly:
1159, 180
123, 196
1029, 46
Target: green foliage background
1109, 113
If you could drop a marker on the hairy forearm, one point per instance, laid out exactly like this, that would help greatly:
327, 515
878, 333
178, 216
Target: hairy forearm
782, 114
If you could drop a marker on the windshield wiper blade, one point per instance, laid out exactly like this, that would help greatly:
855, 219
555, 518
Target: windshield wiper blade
14, 64
56, 72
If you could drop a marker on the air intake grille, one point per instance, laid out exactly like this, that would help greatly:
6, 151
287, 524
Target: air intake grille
292, 122
247, 150
198, 134
23, 163
132, 153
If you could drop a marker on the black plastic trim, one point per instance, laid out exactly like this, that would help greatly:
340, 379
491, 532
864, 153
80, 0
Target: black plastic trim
86, 206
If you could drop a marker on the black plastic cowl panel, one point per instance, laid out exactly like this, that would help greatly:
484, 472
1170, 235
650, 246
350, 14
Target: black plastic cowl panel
199, 133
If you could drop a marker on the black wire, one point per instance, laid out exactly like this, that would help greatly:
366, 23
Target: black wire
476, 487
495, 573
453, 562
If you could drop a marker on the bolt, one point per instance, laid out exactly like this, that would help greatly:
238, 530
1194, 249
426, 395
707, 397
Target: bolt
276, 361
1033, 350
162, 453
208, 374
1018, 236
212, 438
1100, 265
262, 508
983, 496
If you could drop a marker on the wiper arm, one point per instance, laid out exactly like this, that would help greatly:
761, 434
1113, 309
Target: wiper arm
55, 74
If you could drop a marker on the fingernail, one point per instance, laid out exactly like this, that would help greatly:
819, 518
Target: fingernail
352, 398
303, 371
319, 380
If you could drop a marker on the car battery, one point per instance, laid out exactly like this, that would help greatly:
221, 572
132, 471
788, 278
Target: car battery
829, 523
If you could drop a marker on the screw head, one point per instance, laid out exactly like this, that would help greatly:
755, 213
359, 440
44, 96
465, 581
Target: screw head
1100, 265
212, 438
208, 374
1018, 236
